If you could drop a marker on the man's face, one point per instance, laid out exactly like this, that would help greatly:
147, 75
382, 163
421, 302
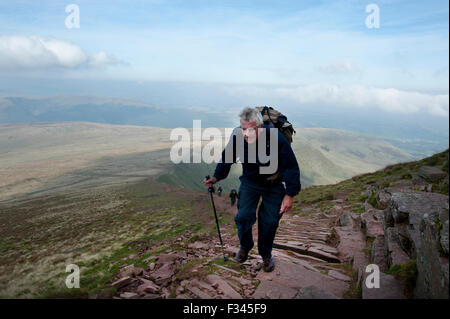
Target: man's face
250, 131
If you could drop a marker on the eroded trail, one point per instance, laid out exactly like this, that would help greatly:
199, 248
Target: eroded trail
308, 265
393, 223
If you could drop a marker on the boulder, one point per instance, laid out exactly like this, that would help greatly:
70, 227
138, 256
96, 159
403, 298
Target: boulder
408, 208
383, 199
377, 253
400, 186
431, 173
371, 221
387, 220
432, 260
418, 180
345, 219
350, 242
420, 220
394, 253
163, 274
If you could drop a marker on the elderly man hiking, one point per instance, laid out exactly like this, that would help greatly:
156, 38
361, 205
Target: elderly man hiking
277, 190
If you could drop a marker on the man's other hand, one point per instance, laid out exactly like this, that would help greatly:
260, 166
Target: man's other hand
286, 205
209, 182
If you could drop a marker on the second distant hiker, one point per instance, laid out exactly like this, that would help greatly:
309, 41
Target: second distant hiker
233, 195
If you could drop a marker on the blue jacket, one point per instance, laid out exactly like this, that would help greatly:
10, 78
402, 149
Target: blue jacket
287, 164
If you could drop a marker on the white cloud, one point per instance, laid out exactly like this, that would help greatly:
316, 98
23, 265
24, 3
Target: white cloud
102, 59
354, 96
33, 52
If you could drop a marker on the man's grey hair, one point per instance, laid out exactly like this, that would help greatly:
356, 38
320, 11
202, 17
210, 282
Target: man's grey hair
249, 114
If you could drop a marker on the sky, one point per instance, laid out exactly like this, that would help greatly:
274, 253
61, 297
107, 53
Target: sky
198, 52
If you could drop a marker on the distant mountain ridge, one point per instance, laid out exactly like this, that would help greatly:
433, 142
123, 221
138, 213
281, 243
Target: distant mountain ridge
42, 157
100, 110
420, 138
325, 156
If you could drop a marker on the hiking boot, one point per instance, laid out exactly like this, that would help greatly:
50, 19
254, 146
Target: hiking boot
241, 256
268, 264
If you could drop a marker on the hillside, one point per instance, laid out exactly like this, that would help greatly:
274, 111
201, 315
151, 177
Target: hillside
152, 240
40, 158
37, 158
329, 155
325, 156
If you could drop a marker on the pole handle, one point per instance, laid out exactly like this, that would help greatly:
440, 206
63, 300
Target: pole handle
211, 188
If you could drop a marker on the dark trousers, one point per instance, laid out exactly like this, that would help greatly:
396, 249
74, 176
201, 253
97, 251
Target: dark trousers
269, 215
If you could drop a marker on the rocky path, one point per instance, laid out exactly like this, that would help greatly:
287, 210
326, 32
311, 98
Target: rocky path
307, 266
319, 253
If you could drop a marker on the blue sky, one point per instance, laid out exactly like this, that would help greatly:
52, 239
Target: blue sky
298, 49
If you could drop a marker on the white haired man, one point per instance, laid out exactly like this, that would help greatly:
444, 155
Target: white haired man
277, 195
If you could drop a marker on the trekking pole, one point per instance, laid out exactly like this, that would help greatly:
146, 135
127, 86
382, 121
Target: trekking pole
211, 191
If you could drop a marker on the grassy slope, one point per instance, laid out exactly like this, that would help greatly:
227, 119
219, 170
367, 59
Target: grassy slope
328, 156
351, 188
191, 176
97, 230
100, 229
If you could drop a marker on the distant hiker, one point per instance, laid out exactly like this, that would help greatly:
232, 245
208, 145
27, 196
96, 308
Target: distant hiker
277, 190
233, 196
219, 191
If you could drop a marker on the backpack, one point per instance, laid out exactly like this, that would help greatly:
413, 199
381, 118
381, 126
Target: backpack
279, 121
